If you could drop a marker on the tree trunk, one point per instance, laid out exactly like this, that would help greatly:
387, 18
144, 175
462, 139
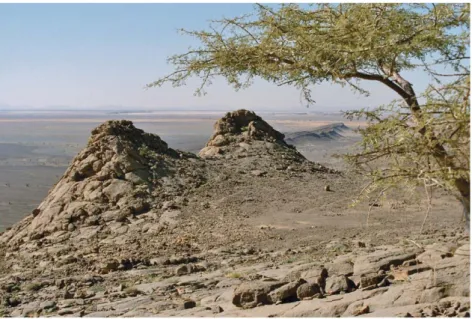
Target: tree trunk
406, 91
464, 189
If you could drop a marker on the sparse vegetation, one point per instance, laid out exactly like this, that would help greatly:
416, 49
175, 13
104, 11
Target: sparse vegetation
153, 160
423, 138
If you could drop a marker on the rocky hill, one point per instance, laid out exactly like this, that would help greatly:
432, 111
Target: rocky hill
121, 174
247, 228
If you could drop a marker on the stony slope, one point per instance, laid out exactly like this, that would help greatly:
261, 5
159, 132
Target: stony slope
119, 175
136, 228
243, 139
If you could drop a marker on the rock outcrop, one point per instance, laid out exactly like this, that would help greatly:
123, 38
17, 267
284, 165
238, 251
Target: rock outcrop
123, 178
238, 127
242, 132
243, 139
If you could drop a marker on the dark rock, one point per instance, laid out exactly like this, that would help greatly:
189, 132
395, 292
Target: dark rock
188, 304
370, 280
68, 294
35, 212
12, 301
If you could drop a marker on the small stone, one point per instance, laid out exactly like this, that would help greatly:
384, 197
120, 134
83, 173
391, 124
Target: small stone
66, 311
169, 205
188, 304
70, 227
258, 173
110, 266
217, 309
249, 251
59, 283
35, 212
12, 301
184, 270
327, 188
47, 304
68, 294
361, 310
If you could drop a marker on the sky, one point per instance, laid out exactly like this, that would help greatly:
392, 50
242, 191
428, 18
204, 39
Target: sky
100, 56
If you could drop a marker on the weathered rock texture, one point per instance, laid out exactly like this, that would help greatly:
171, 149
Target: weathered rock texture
244, 140
135, 228
116, 188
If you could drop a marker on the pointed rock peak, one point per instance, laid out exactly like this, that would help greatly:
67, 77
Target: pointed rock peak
116, 127
125, 131
247, 124
241, 126
116, 148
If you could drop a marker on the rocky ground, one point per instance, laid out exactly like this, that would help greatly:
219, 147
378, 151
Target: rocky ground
247, 228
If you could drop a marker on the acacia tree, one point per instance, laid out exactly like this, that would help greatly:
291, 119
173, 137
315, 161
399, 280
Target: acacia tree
423, 139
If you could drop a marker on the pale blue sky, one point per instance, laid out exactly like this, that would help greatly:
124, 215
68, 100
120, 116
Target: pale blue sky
86, 56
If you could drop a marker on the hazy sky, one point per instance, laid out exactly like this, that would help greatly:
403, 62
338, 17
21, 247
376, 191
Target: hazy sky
102, 55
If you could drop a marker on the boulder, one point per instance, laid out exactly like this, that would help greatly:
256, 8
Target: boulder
286, 293
308, 290
337, 284
252, 294
184, 270
313, 274
342, 267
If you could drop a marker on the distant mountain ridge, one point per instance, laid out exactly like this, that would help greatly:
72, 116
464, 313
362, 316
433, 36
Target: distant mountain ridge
328, 132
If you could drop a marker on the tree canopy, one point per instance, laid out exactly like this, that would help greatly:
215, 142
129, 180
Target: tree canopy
424, 137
